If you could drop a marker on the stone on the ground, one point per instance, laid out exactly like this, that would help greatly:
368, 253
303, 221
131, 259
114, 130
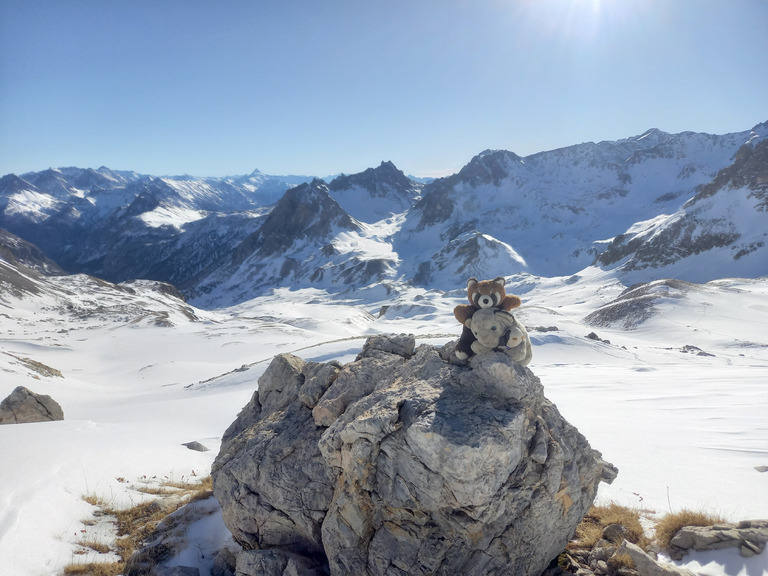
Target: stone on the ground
24, 406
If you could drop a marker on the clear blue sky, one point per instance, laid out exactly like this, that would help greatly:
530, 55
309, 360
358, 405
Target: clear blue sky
213, 88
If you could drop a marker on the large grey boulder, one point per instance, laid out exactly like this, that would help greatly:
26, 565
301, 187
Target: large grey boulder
24, 406
405, 464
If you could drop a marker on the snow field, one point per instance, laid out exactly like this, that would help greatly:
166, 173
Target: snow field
684, 430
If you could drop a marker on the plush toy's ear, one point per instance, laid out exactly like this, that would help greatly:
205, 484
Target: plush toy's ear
511, 301
468, 323
499, 280
471, 282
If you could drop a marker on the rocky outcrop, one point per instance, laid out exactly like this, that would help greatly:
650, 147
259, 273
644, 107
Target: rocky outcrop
24, 406
402, 463
749, 536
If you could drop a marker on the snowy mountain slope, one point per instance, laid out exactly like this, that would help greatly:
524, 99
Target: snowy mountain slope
307, 239
547, 214
375, 194
124, 225
553, 208
268, 189
725, 226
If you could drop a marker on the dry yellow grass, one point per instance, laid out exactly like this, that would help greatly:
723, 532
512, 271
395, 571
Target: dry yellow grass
196, 490
95, 545
95, 569
590, 530
670, 524
135, 524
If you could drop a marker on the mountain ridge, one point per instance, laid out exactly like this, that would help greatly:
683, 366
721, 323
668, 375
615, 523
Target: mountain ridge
552, 213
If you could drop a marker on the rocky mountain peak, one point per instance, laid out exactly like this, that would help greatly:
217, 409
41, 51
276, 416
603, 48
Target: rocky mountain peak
489, 167
305, 211
11, 184
379, 181
51, 182
375, 193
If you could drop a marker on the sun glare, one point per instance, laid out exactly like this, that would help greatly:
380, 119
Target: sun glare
577, 20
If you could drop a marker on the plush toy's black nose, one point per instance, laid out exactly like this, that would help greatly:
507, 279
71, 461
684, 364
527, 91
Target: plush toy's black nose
485, 300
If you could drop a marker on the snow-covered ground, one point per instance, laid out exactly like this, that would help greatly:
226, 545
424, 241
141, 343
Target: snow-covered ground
685, 430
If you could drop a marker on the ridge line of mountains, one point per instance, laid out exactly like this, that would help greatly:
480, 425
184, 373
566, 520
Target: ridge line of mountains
691, 206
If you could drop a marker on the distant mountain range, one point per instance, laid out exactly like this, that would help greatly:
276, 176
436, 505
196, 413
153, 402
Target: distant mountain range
691, 206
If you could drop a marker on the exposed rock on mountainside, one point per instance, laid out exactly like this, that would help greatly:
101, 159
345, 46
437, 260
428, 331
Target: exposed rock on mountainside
375, 193
556, 208
16, 251
400, 462
307, 239
80, 297
306, 212
636, 304
724, 224
23, 406
470, 254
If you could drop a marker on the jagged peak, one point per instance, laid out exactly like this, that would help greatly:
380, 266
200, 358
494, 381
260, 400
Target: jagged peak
318, 183
14, 180
761, 128
385, 174
651, 132
304, 211
499, 153
314, 193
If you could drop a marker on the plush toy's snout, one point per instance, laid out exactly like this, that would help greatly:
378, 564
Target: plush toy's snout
485, 301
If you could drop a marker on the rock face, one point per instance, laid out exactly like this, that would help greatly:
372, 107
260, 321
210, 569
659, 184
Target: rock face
24, 406
401, 463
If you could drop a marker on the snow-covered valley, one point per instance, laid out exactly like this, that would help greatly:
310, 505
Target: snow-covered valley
143, 373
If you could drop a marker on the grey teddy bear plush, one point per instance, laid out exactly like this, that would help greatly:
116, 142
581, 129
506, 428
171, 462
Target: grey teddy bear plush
496, 329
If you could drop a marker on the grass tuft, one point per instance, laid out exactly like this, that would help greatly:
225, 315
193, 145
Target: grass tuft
95, 545
590, 531
670, 524
95, 569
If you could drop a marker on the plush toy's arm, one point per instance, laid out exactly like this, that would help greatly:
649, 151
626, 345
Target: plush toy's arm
478, 348
514, 337
519, 346
462, 312
508, 303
